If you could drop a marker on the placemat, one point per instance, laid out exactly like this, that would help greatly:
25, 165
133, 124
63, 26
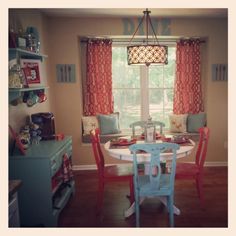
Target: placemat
118, 145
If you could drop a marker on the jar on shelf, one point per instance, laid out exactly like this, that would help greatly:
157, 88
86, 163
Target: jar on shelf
33, 43
12, 38
15, 77
150, 131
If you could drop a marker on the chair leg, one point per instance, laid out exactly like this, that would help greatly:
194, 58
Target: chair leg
199, 186
131, 188
100, 197
171, 210
137, 213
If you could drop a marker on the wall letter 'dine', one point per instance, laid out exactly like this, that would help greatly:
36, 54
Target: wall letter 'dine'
161, 26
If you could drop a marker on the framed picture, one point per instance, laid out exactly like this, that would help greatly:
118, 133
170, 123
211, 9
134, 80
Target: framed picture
31, 69
24, 79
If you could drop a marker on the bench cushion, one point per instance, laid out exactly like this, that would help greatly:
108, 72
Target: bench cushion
103, 138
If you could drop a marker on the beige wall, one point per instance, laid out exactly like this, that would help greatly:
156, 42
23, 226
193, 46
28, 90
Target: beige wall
25, 18
66, 99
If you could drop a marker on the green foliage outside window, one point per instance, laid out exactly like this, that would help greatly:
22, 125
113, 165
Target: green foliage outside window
128, 94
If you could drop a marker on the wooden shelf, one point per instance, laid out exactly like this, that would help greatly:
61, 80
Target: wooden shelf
14, 93
21, 53
27, 89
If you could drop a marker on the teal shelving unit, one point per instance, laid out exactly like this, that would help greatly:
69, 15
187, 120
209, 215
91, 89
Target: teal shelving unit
18, 53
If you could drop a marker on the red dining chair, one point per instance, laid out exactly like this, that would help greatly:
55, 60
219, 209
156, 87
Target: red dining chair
107, 174
195, 170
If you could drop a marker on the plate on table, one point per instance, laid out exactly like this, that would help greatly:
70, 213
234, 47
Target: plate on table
165, 139
123, 142
180, 141
157, 136
177, 140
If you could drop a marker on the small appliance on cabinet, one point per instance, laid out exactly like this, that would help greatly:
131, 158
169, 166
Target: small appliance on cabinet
46, 123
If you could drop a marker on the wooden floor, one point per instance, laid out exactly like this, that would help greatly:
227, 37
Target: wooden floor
80, 210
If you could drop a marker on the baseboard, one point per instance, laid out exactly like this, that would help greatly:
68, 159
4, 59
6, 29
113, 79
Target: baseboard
84, 167
89, 167
94, 167
216, 163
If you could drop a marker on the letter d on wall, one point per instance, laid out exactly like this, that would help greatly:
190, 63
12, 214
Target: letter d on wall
128, 26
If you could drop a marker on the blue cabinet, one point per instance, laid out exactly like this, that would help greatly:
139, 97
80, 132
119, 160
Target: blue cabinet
43, 194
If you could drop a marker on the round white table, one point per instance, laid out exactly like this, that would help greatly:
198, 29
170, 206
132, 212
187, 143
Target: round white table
123, 153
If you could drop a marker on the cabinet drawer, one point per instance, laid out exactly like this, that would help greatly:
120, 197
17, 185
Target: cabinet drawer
56, 160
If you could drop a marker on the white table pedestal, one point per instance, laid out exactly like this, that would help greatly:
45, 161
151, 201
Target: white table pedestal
131, 210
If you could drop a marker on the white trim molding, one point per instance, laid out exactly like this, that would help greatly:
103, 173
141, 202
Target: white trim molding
216, 163
84, 167
94, 167
90, 167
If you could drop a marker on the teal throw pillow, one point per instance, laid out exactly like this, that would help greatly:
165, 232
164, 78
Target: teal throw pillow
108, 124
196, 121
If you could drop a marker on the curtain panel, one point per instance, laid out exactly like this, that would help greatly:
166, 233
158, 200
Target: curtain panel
98, 90
187, 88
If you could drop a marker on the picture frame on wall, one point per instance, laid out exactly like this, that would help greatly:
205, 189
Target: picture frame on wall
31, 69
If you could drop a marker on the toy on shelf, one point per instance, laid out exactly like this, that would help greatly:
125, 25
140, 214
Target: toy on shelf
24, 136
35, 133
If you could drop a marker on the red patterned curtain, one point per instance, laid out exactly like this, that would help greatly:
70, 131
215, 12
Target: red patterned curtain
187, 89
98, 90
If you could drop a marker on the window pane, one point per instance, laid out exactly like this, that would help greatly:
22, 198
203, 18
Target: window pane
156, 76
128, 95
126, 88
156, 99
156, 102
161, 99
124, 76
127, 103
157, 115
166, 118
169, 69
168, 98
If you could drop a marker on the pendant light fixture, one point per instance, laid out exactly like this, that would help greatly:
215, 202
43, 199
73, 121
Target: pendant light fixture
150, 52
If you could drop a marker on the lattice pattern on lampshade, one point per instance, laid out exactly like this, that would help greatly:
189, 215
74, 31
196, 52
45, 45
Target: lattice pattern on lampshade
147, 54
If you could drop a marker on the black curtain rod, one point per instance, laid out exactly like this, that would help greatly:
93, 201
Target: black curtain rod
141, 40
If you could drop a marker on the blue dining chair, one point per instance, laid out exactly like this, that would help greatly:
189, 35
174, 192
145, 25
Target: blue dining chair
157, 182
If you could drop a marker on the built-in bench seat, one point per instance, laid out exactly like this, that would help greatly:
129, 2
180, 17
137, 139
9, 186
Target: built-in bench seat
178, 125
103, 137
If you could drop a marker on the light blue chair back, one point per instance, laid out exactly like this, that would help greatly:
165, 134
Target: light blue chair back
142, 124
156, 182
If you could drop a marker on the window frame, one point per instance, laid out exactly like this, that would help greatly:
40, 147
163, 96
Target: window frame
144, 87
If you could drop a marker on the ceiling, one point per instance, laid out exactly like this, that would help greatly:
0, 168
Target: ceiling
134, 12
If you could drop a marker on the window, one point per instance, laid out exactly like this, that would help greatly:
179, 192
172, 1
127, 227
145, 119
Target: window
139, 90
